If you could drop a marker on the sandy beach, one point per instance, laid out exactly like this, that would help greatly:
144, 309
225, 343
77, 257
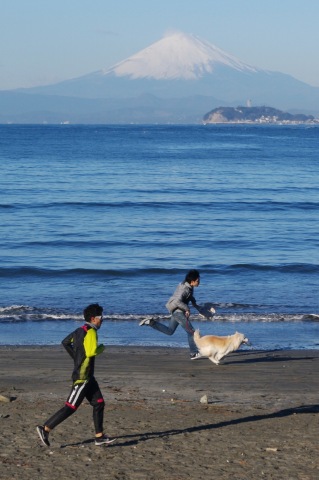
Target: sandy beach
260, 420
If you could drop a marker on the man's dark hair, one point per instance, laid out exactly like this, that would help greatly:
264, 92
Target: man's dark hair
191, 276
93, 310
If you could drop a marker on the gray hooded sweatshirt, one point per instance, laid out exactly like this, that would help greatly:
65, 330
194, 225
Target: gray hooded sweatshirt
181, 298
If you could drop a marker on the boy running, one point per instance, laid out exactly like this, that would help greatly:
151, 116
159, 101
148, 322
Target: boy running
82, 346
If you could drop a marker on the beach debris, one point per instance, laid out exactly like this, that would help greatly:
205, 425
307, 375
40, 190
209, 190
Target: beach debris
204, 399
271, 449
4, 399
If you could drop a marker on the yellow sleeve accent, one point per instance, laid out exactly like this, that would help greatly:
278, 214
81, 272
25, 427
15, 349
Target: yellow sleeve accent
90, 344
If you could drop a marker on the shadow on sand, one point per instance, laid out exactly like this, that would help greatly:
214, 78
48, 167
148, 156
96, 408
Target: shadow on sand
129, 440
267, 357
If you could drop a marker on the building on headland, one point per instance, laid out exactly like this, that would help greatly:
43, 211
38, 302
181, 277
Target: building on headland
256, 115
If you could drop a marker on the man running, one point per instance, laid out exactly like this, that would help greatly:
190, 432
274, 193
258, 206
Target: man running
179, 309
82, 346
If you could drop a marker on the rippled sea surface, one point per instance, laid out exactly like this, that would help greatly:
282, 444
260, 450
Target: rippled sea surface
118, 214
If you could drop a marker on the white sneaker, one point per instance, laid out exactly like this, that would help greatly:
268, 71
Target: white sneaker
196, 356
146, 321
104, 440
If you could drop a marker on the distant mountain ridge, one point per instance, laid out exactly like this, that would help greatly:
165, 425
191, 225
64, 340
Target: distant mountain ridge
174, 80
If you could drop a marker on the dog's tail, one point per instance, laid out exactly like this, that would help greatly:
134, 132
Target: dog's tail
196, 336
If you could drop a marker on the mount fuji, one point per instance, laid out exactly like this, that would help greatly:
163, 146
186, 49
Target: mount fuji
177, 56
175, 80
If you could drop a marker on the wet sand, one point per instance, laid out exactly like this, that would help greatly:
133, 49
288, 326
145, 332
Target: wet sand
260, 421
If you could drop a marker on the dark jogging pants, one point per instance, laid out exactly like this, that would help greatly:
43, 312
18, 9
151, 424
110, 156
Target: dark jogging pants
89, 390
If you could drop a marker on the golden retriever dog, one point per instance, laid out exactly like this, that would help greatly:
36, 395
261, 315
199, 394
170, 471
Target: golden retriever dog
216, 348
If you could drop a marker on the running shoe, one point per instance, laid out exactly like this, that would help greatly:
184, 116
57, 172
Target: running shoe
196, 356
146, 321
44, 436
104, 440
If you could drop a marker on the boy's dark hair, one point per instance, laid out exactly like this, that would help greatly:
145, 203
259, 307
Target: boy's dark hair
191, 276
93, 310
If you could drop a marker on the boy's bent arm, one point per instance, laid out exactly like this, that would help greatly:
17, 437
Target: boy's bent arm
67, 343
90, 344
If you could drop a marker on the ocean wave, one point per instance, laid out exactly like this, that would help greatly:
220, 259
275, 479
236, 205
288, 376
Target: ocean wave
24, 313
45, 272
240, 267
7, 206
216, 205
300, 268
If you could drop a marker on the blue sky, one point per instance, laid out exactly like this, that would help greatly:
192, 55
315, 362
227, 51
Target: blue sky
45, 41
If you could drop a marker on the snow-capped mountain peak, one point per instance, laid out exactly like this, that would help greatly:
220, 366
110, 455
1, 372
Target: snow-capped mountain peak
176, 56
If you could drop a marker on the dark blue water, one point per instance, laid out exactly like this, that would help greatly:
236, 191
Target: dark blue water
118, 214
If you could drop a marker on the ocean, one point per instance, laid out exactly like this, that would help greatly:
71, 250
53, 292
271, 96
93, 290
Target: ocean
118, 215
